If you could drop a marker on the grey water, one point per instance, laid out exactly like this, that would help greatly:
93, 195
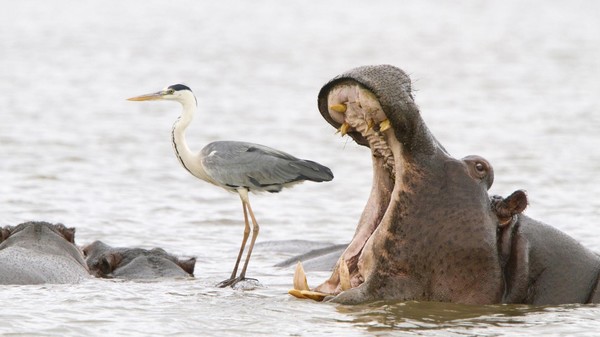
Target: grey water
516, 82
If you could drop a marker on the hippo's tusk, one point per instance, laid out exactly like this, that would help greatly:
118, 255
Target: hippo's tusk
344, 275
343, 130
301, 289
341, 108
296, 293
300, 282
384, 125
313, 295
307, 294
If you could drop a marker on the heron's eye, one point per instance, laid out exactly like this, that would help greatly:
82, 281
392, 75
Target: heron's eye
170, 92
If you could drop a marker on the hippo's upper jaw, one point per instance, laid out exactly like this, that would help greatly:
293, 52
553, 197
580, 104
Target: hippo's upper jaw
412, 230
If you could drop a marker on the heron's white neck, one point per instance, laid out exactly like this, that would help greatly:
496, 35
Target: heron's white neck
185, 156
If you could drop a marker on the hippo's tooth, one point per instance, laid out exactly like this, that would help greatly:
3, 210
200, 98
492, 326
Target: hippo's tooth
300, 282
301, 289
296, 293
384, 125
307, 294
344, 275
341, 108
370, 124
343, 130
313, 295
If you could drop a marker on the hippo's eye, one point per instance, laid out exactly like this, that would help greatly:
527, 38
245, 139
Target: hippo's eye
480, 167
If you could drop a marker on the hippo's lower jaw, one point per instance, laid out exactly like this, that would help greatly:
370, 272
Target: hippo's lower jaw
360, 115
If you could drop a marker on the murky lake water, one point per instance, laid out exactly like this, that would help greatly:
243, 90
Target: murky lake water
516, 83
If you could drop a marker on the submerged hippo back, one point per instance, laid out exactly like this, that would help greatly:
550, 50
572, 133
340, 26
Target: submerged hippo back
37, 252
149, 267
135, 263
23, 266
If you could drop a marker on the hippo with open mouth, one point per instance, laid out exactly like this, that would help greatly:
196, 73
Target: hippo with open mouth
430, 231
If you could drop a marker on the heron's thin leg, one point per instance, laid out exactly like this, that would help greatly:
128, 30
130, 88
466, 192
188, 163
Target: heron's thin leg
232, 280
244, 240
255, 230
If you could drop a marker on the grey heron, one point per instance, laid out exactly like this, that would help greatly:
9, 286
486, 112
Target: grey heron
239, 167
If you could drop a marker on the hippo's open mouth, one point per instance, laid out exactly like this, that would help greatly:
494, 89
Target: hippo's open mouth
428, 231
359, 114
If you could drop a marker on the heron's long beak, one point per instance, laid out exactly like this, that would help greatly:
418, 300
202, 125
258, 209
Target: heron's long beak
148, 97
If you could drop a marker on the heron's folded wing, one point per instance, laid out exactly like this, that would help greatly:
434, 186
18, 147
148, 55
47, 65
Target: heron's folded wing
257, 167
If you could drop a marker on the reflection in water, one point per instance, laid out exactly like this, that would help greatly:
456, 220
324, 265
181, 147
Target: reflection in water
433, 315
450, 318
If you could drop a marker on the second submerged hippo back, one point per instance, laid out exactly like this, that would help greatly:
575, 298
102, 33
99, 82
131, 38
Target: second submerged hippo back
135, 263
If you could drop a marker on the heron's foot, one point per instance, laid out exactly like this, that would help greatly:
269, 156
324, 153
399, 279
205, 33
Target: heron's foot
233, 281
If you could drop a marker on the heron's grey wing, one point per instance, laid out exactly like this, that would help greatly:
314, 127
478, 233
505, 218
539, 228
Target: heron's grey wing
257, 167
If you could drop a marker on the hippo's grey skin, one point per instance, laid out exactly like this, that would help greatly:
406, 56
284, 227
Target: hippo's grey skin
542, 265
135, 263
40, 252
430, 231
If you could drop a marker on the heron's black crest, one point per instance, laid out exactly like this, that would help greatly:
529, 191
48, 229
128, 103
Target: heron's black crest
178, 87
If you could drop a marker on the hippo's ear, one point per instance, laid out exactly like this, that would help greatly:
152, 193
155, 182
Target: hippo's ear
109, 262
67, 233
106, 266
188, 265
506, 208
5, 232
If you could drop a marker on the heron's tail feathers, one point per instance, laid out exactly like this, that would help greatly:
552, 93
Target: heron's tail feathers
310, 170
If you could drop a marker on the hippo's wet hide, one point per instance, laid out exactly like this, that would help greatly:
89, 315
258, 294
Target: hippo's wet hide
429, 231
135, 263
545, 266
40, 252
